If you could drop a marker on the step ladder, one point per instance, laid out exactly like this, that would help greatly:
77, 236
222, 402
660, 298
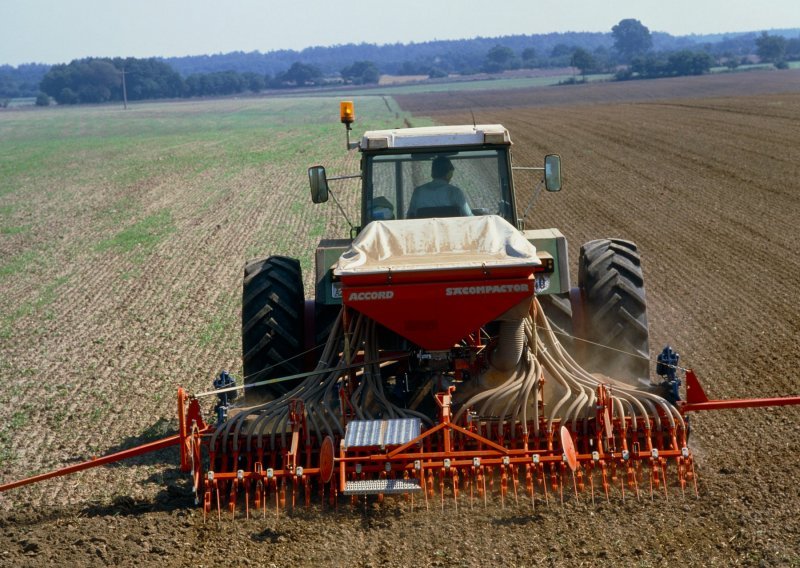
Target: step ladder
380, 434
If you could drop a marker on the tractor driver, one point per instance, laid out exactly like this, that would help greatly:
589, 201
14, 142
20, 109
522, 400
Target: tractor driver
439, 194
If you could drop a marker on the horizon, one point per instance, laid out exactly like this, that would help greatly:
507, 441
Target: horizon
50, 32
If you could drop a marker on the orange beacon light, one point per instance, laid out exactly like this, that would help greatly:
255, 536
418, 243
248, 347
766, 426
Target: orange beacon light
347, 112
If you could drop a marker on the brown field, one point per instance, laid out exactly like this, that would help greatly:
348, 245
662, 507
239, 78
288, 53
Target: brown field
702, 173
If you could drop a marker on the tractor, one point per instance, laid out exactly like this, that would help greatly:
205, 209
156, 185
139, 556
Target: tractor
432, 312
607, 309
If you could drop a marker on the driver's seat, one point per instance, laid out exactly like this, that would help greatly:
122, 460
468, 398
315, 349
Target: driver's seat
441, 211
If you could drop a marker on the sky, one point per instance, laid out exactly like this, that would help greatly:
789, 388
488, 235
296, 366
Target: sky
57, 31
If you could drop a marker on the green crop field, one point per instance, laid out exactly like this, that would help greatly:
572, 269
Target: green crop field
122, 239
84, 183
476, 85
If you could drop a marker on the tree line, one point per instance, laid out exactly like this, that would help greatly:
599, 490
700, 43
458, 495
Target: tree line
469, 56
629, 51
96, 80
21, 81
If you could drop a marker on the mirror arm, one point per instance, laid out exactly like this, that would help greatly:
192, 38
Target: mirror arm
354, 176
536, 191
339, 205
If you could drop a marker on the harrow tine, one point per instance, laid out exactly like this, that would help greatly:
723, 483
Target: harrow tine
514, 480
441, 490
664, 477
504, 483
532, 489
544, 488
575, 486
207, 501
424, 483
455, 491
471, 490
682, 476
529, 483
484, 491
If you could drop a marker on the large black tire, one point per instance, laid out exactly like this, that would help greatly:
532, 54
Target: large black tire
615, 309
272, 323
324, 318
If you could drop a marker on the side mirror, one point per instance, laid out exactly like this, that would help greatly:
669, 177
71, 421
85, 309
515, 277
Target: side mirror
319, 184
552, 172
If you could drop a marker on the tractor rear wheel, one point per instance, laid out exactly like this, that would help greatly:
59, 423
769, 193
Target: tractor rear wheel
272, 323
615, 310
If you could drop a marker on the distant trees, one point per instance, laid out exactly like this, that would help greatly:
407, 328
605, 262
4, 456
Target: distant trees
528, 57
361, 73
631, 38
299, 75
771, 48
100, 80
793, 48
675, 64
21, 81
633, 41
583, 60
433, 71
254, 82
499, 58
82, 81
686, 62
214, 84
149, 78
412, 68
649, 55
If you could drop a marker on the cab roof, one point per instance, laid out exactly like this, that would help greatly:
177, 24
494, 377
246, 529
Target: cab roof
427, 136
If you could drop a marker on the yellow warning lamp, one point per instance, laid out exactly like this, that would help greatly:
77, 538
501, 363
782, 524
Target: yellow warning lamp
347, 113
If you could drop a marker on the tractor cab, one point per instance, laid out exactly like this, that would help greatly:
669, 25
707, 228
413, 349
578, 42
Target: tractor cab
450, 171
434, 172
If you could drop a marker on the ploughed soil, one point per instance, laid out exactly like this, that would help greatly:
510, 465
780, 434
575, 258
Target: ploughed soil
706, 180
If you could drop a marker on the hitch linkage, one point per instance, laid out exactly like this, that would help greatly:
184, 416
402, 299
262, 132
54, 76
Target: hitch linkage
224, 399
667, 367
